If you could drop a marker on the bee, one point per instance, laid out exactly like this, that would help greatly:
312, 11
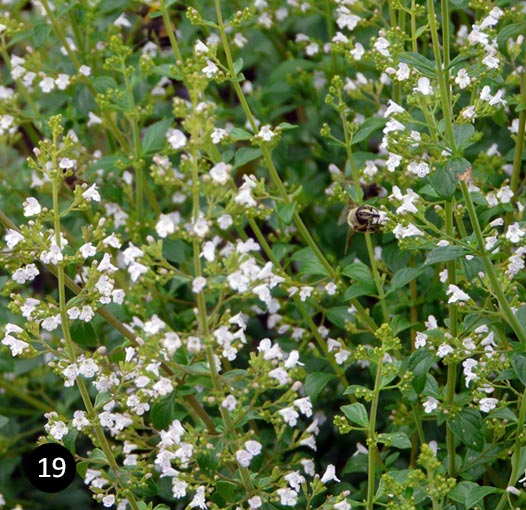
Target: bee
152, 27
365, 218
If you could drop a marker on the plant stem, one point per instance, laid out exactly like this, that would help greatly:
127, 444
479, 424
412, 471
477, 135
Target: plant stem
516, 457
371, 440
70, 348
274, 175
504, 306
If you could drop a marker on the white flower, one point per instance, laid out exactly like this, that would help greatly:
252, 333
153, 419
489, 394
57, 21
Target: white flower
514, 233
304, 405
420, 168
12, 238
403, 71
288, 497
243, 457
31, 207
176, 138
47, 84
229, 402
330, 474
487, 404
220, 172
462, 79
424, 86
200, 47
92, 193
218, 134
198, 284
85, 70
444, 350
62, 81
112, 240
254, 502
86, 314
430, 404
136, 269
58, 430
165, 226
456, 294
87, 250
289, 415
210, 70
122, 21
265, 133
199, 499
253, 447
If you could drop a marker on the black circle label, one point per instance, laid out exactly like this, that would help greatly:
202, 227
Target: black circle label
50, 467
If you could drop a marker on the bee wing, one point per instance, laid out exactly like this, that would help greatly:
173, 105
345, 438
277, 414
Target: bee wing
343, 215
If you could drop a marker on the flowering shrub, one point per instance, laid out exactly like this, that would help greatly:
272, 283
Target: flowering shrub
181, 310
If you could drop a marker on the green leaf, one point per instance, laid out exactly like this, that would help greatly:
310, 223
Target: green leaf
245, 155
444, 254
287, 126
400, 323
238, 65
459, 4
463, 134
520, 313
176, 250
443, 182
309, 263
102, 398
358, 290
425, 66
338, 315
285, 211
419, 363
371, 125
395, 439
470, 493
402, 277
226, 489
315, 382
40, 33
162, 413
457, 166
102, 84
154, 137
354, 388
240, 134
361, 274
83, 334
518, 362
3, 420
356, 413
169, 71
467, 426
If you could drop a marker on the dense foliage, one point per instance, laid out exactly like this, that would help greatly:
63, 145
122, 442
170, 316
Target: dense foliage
261, 255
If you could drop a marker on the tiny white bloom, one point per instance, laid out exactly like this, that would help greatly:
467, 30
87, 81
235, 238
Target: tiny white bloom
32, 207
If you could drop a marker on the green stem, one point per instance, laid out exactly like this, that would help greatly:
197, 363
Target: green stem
370, 249
519, 145
274, 175
516, 457
504, 306
191, 400
70, 348
371, 441
203, 322
441, 74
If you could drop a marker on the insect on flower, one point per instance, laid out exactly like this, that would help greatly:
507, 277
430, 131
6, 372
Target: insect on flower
364, 218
